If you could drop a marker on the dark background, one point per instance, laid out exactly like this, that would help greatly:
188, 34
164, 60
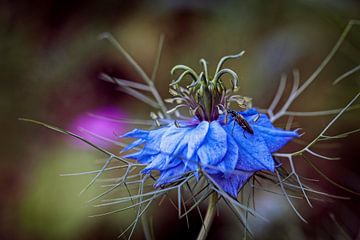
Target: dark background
50, 60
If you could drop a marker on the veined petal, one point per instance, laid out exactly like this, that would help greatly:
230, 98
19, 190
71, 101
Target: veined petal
254, 154
192, 164
171, 139
151, 147
214, 146
170, 175
161, 162
195, 138
143, 156
154, 138
134, 155
150, 137
157, 162
249, 112
232, 156
231, 184
136, 133
132, 145
275, 138
255, 118
192, 140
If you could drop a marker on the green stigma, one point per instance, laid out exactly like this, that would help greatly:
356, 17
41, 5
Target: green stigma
206, 96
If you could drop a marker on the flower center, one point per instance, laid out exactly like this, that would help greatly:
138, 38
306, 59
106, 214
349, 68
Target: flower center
206, 96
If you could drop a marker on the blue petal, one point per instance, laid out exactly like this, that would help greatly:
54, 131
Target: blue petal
143, 156
193, 138
231, 158
192, 164
249, 112
134, 155
154, 138
136, 133
196, 137
275, 138
254, 154
231, 184
214, 146
161, 162
252, 114
151, 147
132, 145
170, 175
171, 138
156, 162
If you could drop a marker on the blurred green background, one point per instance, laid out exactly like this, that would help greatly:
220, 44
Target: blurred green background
50, 61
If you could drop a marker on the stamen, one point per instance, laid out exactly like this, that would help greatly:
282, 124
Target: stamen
204, 95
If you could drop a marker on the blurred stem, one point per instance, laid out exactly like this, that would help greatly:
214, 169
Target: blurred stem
210, 214
146, 227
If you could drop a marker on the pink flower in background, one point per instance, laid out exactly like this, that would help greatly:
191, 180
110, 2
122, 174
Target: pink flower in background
99, 124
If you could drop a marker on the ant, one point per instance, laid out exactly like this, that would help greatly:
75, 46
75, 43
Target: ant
241, 121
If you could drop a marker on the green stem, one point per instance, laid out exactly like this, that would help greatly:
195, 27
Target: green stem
210, 214
146, 227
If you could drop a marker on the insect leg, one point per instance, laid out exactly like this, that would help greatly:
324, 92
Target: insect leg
176, 123
226, 117
256, 118
232, 130
244, 133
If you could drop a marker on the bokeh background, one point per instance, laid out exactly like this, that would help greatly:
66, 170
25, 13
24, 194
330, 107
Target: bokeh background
50, 61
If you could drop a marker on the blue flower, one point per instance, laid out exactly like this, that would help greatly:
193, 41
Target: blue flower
229, 154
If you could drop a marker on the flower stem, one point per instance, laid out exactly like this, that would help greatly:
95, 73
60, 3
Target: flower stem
146, 227
210, 214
